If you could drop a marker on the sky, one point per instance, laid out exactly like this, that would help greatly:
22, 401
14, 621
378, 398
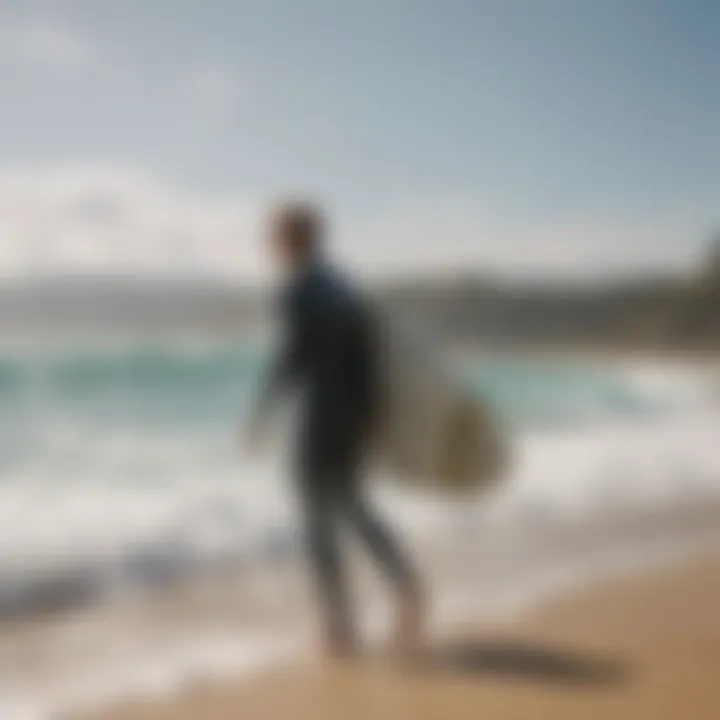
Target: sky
524, 137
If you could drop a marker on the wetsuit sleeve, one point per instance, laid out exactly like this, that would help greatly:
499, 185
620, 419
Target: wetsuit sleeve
291, 357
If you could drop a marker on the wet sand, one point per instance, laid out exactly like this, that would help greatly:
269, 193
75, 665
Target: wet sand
645, 646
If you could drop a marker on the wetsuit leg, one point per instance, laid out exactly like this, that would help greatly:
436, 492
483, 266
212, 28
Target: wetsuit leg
322, 532
376, 535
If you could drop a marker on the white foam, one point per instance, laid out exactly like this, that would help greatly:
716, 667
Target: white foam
108, 499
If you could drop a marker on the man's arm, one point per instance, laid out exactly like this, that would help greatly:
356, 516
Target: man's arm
286, 366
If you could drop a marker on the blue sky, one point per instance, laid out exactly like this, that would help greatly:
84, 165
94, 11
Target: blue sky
523, 136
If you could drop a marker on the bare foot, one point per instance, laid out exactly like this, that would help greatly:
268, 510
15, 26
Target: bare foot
409, 626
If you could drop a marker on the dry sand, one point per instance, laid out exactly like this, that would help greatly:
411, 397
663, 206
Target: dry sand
644, 647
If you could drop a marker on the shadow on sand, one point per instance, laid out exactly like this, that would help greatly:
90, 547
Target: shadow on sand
525, 661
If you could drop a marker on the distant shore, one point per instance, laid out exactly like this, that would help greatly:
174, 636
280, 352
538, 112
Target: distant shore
592, 352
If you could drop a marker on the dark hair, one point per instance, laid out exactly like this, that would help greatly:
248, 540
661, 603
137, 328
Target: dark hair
301, 225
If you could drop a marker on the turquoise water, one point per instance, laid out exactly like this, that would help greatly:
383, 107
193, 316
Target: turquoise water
212, 385
544, 394
110, 457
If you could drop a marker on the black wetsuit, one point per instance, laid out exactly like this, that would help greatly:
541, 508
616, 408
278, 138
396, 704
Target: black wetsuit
329, 353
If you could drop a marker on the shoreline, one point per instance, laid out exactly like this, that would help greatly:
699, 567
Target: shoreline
643, 645
241, 633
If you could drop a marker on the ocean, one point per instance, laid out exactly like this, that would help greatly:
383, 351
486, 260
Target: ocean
145, 548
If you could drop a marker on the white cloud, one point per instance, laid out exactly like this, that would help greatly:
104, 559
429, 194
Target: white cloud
45, 41
109, 219
121, 220
459, 235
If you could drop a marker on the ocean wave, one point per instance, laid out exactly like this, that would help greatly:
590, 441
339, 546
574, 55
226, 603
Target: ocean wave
142, 486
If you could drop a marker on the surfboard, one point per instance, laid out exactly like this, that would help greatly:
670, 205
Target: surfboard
434, 430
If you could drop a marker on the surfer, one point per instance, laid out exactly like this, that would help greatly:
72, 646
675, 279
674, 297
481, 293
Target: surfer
328, 354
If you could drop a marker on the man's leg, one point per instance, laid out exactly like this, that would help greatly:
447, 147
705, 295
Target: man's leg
321, 530
383, 545
388, 554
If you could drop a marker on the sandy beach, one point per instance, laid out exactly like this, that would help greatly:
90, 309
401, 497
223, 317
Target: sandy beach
646, 645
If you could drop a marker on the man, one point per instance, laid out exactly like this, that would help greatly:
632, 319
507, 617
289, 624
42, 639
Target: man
329, 355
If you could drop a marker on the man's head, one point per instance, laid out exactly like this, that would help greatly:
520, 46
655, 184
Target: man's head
297, 233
